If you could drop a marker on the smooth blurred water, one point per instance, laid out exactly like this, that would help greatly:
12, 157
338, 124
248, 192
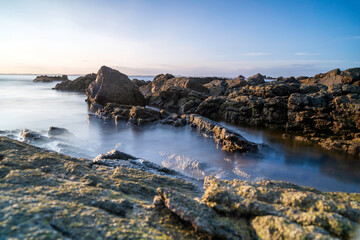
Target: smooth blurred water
26, 104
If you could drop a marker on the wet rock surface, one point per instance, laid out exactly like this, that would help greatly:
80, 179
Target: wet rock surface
47, 195
230, 141
80, 84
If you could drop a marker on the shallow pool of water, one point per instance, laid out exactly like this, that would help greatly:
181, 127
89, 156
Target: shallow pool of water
25, 104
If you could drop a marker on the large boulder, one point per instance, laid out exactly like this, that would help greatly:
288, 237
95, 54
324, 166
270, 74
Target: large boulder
159, 81
256, 79
112, 86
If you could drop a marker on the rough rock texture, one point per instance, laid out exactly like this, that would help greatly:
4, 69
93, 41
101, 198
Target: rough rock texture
80, 84
229, 141
112, 86
308, 112
256, 79
349, 76
134, 114
46, 195
280, 210
140, 83
45, 78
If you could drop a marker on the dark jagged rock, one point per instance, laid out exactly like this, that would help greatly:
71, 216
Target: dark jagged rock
217, 87
307, 110
80, 84
134, 114
59, 132
112, 86
176, 99
140, 83
256, 79
46, 78
229, 140
349, 76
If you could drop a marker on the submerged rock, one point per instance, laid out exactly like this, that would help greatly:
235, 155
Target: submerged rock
230, 141
28, 135
59, 132
112, 86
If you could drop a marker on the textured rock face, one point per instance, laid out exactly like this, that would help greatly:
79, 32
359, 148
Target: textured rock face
350, 76
229, 140
324, 115
112, 86
46, 195
45, 78
256, 79
80, 84
134, 114
176, 99
279, 210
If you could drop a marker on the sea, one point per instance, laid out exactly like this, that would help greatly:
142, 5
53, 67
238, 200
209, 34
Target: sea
25, 104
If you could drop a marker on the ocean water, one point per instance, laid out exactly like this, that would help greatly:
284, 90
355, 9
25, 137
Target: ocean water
35, 106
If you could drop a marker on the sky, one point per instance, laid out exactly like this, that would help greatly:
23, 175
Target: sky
182, 37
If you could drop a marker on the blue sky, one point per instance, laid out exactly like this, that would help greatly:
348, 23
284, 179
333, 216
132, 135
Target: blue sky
198, 37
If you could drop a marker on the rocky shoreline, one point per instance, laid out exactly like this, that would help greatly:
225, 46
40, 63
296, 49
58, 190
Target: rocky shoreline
323, 110
47, 195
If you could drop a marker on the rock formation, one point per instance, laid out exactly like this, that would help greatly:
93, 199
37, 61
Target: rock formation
45, 78
112, 86
307, 111
80, 84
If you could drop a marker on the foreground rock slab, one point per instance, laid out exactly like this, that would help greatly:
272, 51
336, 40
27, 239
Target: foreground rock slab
46, 195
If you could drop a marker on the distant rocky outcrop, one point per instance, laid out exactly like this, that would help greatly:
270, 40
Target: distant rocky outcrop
80, 84
45, 78
112, 86
349, 76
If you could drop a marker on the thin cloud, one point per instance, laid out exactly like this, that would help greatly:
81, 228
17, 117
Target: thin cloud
256, 54
306, 54
347, 38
